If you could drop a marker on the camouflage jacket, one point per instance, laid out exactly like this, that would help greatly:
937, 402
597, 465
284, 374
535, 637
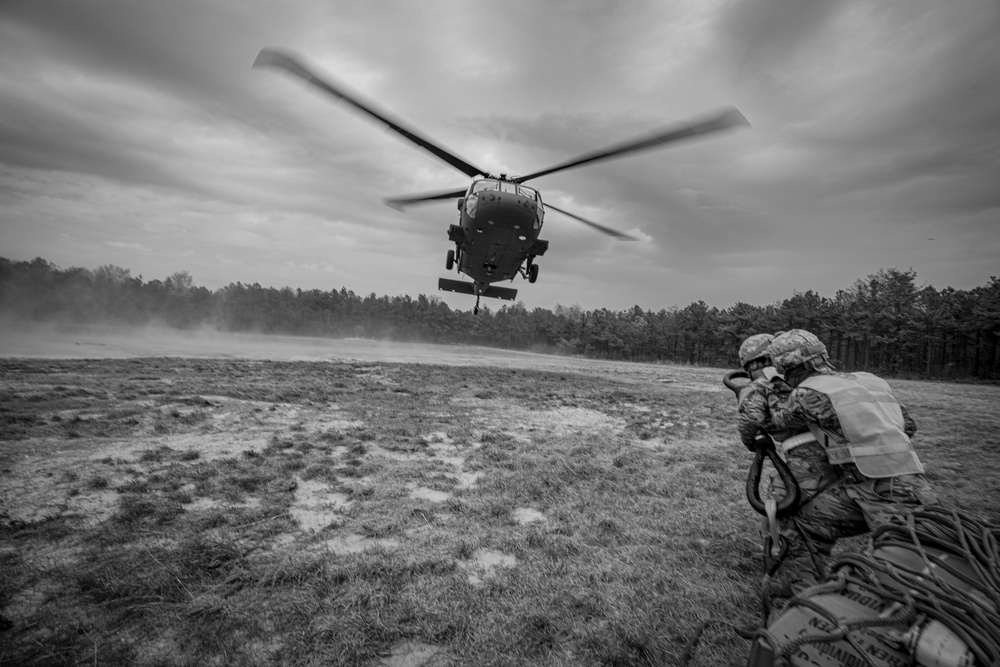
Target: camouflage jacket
755, 412
803, 406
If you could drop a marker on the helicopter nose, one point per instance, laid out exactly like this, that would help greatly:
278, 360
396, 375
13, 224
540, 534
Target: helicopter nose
506, 209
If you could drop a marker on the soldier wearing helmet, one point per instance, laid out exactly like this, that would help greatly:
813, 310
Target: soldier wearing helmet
865, 432
753, 411
805, 457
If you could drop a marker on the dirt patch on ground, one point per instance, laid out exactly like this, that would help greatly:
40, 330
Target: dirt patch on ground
47, 478
484, 563
413, 654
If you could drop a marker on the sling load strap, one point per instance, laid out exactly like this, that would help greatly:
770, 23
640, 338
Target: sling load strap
787, 505
765, 448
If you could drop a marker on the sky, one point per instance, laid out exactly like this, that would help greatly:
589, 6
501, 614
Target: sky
135, 133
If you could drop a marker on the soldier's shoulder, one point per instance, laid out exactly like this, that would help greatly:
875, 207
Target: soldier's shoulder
807, 395
752, 395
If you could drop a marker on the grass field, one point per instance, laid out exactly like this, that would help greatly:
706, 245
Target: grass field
200, 511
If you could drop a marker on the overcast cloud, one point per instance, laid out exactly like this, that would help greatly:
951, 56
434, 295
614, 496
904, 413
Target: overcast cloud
135, 133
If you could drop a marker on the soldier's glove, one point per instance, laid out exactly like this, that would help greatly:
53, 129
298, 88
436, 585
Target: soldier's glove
780, 385
754, 440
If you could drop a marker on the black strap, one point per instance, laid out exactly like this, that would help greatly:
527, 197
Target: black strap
793, 495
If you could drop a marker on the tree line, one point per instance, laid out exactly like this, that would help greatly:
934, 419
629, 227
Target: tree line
884, 322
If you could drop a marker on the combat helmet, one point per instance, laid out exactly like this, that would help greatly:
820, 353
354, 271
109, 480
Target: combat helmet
796, 347
755, 347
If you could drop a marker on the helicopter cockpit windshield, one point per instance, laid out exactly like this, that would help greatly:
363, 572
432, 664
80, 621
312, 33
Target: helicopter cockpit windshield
505, 186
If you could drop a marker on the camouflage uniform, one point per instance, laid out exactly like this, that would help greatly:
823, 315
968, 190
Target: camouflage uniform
853, 504
807, 462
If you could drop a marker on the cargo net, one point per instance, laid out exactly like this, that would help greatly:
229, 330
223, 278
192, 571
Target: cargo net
924, 593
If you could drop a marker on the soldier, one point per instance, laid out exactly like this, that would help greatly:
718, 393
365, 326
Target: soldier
805, 457
865, 433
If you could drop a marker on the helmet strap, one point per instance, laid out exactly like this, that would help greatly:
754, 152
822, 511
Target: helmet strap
796, 374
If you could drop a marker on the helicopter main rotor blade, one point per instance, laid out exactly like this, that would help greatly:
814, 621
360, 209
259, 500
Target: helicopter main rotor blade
270, 57
729, 118
399, 203
601, 228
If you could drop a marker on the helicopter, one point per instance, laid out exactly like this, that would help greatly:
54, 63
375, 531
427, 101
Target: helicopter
500, 218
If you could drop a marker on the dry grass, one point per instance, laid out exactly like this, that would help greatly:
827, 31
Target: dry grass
175, 512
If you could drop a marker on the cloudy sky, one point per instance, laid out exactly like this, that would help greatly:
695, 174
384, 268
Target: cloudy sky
135, 133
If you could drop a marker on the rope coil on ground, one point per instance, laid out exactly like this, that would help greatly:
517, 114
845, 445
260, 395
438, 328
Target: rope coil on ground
971, 614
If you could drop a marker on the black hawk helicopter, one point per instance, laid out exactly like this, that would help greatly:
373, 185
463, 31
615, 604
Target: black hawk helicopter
500, 218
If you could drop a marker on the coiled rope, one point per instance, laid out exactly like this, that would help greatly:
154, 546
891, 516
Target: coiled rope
973, 617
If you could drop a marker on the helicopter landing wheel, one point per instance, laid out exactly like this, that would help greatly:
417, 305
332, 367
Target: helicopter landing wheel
532, 273
450, 262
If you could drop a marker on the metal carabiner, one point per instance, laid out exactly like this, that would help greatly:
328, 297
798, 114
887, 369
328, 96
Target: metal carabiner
771, 510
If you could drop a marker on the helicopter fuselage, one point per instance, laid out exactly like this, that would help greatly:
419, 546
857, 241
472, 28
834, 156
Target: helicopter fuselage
499, 224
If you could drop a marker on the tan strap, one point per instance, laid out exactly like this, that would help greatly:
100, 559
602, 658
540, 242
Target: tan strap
788, 444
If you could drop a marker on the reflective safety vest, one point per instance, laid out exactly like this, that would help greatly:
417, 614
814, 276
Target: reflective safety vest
872, 420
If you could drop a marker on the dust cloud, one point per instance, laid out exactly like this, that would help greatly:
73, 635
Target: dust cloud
110, 342
113, 342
